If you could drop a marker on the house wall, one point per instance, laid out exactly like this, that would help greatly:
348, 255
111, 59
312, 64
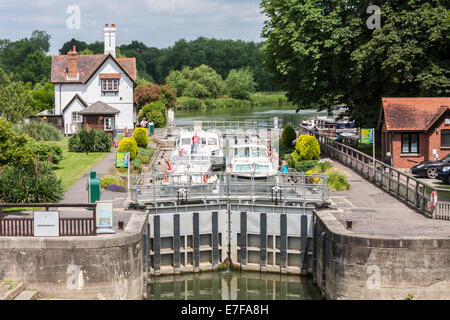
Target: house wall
91, 92
75, 106
427, 142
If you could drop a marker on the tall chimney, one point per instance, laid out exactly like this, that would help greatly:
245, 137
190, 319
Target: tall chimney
72, 67
110, 39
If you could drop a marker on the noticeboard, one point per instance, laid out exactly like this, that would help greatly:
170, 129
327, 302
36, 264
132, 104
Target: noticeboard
104, 213
366, 136
46, 223
122, 160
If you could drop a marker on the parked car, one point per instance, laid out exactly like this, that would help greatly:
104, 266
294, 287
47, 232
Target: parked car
428, 168
443, 173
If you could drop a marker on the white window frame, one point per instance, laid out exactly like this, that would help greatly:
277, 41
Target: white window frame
109, 127
110, 85
76, 117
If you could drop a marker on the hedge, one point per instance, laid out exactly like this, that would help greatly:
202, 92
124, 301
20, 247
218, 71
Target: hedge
129, 145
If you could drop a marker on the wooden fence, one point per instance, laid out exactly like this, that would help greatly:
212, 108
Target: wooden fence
23, 227
395, 182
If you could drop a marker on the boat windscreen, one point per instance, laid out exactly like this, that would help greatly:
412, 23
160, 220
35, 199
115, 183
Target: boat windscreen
261, 168
242, 152
186, 141
243, 167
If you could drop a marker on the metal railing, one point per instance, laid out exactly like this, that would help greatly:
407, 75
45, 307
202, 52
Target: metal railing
395, 182
23, 227
224, 125
199, 186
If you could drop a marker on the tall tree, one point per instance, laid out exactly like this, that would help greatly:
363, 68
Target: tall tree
15, 99
324, 53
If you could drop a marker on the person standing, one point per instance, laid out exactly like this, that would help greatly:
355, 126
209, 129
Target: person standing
195, 143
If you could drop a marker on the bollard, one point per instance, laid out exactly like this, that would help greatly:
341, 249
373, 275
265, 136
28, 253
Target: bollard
349, 224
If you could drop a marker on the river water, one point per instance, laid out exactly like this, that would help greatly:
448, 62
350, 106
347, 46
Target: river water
232, 285
287, 113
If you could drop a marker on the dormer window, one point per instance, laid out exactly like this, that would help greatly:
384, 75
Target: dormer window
109, 85
110, 82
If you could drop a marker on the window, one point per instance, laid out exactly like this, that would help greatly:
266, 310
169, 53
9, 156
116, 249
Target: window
445, 138
76, 117
108, 124
410, 143
110, 85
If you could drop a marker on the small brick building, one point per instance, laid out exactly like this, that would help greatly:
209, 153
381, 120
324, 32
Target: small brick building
414, 129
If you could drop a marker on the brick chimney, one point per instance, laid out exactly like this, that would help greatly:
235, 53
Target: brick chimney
72, 68
110, 39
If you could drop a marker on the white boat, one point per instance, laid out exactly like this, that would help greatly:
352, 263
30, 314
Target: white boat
251, 161
209, 146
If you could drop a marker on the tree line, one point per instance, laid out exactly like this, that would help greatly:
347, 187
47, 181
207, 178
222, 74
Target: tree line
155, 64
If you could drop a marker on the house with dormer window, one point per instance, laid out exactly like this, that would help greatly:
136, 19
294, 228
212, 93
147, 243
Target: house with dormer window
82, 81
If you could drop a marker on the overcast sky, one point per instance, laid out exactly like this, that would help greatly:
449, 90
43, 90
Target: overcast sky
157, 23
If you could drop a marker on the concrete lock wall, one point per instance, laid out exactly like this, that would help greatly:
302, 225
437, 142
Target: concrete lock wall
254, 237
99, 267
352, 266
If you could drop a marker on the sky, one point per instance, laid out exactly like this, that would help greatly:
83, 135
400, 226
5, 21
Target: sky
157, 23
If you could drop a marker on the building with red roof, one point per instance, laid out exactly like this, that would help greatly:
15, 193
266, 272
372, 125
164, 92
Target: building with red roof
83, 80
414, 129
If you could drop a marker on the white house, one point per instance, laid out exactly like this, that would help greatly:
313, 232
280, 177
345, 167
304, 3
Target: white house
82, 80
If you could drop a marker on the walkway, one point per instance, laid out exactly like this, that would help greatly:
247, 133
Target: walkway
375, 212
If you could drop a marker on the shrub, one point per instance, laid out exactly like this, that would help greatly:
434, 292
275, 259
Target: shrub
288, 136
14, 148
141, 137
337, 180
155, 111
128, 145
148, 92
190, 103
46, 151
137, 165
291, 163
30, 184
39, 130
306, 165
307, 148
108, 180
90, 140
116, 188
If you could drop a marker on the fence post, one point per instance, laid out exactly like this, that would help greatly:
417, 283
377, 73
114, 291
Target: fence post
94, 213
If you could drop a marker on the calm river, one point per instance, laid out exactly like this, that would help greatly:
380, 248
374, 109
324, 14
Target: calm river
232, 285
286, 113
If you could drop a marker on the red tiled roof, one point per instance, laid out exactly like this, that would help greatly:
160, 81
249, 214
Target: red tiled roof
87, 66
413, 114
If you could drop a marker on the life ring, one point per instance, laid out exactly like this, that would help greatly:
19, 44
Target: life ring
205, 178
433, 200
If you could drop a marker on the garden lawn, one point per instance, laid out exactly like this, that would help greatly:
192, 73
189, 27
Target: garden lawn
74, 164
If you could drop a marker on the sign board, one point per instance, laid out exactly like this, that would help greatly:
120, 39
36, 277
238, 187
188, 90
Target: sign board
46, 223
104, 214
366, 136
122, 160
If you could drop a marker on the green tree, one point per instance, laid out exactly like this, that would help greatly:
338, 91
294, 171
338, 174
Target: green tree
324, 53
15, 148
43, 97
240, 84
200, 82
15, 99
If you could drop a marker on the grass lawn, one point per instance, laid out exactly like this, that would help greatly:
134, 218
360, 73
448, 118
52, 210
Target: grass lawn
74, 165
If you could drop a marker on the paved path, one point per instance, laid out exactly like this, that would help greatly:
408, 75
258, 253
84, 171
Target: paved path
375, 212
